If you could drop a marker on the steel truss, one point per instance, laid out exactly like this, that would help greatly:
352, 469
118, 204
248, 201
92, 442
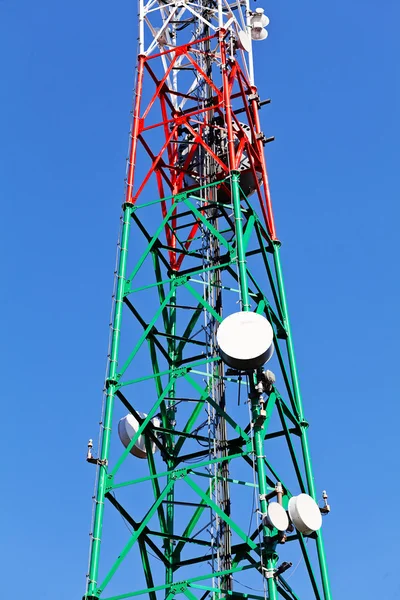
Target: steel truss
194, 248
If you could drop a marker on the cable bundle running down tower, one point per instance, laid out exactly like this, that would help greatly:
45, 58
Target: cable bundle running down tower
204, 481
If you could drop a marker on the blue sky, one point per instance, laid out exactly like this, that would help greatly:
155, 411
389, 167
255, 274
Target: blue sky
65, 90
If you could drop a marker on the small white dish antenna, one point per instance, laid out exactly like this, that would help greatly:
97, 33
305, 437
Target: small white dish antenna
258, 34
305, 514
277, 516
128, 428
244, 41
261, 18
258, 22
245, 340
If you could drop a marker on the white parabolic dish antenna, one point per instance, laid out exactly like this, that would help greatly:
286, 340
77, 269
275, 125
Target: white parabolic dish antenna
245, 340
244, 41
128, 428
305, 514
277, 516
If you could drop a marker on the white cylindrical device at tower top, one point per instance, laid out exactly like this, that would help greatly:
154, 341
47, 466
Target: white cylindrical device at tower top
258, 22
245, 340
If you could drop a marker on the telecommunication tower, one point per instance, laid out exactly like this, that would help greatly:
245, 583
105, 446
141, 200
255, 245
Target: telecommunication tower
204, 483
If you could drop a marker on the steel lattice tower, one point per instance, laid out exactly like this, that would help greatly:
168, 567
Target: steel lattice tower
189, 514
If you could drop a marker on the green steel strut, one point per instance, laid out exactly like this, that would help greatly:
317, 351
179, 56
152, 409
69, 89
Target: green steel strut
170, 414
258, 425
302, 421
111, 386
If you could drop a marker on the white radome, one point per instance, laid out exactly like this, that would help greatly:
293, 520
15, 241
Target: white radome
244, 41
245, 340
305, 514
258, 22
128, 427
277, 516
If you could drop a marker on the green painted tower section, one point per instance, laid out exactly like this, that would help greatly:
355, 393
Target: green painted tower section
176, 316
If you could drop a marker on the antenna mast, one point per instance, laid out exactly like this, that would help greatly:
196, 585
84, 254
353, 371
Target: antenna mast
204, 482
